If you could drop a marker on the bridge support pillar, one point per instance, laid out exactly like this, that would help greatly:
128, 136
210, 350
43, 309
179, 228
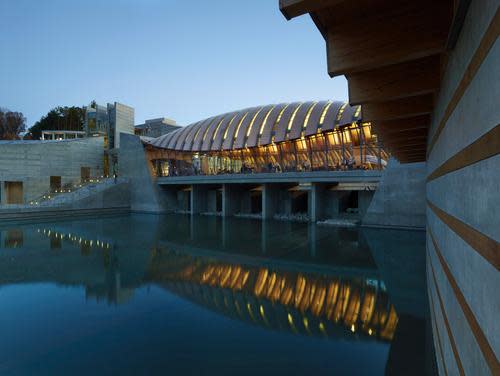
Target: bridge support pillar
230, 204
317, 202
198, 199
212, 201
270, 196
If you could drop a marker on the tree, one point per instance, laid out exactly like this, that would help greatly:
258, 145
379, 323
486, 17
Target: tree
12, 124
58, 119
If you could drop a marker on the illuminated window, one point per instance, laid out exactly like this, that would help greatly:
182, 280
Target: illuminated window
206, 130
358, 112
341, 111
195, 136
323, 114
279, 118
308, 115
216, 129
292, 118
225, 133
249, 129
237, 128
265, 121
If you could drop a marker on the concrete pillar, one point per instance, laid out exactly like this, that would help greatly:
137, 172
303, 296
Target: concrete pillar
312, 239
364, 200
198, 199
316, 202
245, 201
168, 198
212, 201
183, 199
270, 196
286, 201
230, 204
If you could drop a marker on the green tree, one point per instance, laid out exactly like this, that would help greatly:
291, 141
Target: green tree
12, 124
59, 119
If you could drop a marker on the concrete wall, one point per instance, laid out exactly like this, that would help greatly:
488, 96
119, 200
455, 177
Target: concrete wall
463, 220
145, 194
33, 162
400, 198
124, 121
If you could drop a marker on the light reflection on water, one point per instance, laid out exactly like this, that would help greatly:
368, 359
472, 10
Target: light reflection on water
264, 297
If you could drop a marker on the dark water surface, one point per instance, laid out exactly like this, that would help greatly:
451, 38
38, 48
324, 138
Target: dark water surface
175, 295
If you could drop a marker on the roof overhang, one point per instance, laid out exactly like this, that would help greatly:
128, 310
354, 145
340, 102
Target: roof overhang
393, 53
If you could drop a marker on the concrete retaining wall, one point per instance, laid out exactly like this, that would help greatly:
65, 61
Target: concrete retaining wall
145, 195
400, 198
33, 162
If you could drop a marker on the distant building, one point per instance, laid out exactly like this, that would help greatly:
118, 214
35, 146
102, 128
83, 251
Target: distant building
109, 121
156, 127
61, 135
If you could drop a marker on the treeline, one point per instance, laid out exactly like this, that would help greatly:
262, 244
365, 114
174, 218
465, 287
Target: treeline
12, 124
58, 119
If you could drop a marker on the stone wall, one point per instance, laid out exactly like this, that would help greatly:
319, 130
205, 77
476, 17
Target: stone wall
33, 162
463, 222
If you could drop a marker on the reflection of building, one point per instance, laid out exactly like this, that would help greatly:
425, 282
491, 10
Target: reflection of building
156, 127
280, 299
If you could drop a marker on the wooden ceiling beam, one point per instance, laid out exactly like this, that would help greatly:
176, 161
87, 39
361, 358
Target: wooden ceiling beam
387, 36
420, 137
399, 108
410, 144
294, 8
403, 80
411, 123
401, 135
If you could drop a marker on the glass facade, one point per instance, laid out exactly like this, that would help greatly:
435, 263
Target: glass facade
346, 148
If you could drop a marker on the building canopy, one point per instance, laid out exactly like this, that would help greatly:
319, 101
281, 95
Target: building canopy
260, 126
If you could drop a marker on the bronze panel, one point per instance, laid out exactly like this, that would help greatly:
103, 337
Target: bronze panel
331, 116
281, 127
312, 125
266, 134
205, 130
298, 122
347, 115
207, 143
216, 135
242, 135
254, 132
227, 143
188, 143
173, 140
164, 140
179, 145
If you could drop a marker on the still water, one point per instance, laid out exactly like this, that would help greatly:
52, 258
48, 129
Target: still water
176, 295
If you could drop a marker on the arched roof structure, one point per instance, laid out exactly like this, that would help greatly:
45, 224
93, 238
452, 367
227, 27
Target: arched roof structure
259, 126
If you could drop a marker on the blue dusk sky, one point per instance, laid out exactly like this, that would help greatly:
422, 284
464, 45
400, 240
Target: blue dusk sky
185, 60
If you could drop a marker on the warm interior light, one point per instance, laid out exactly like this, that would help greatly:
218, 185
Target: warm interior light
323, 114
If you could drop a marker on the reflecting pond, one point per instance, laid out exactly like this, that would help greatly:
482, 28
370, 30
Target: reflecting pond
174, 294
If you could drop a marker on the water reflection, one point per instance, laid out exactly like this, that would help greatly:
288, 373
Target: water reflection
307, 303
357, 285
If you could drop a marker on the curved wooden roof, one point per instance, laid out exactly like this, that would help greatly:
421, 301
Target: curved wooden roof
259, 126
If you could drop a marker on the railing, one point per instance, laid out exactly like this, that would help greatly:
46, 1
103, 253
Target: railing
244, 162
67, 188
